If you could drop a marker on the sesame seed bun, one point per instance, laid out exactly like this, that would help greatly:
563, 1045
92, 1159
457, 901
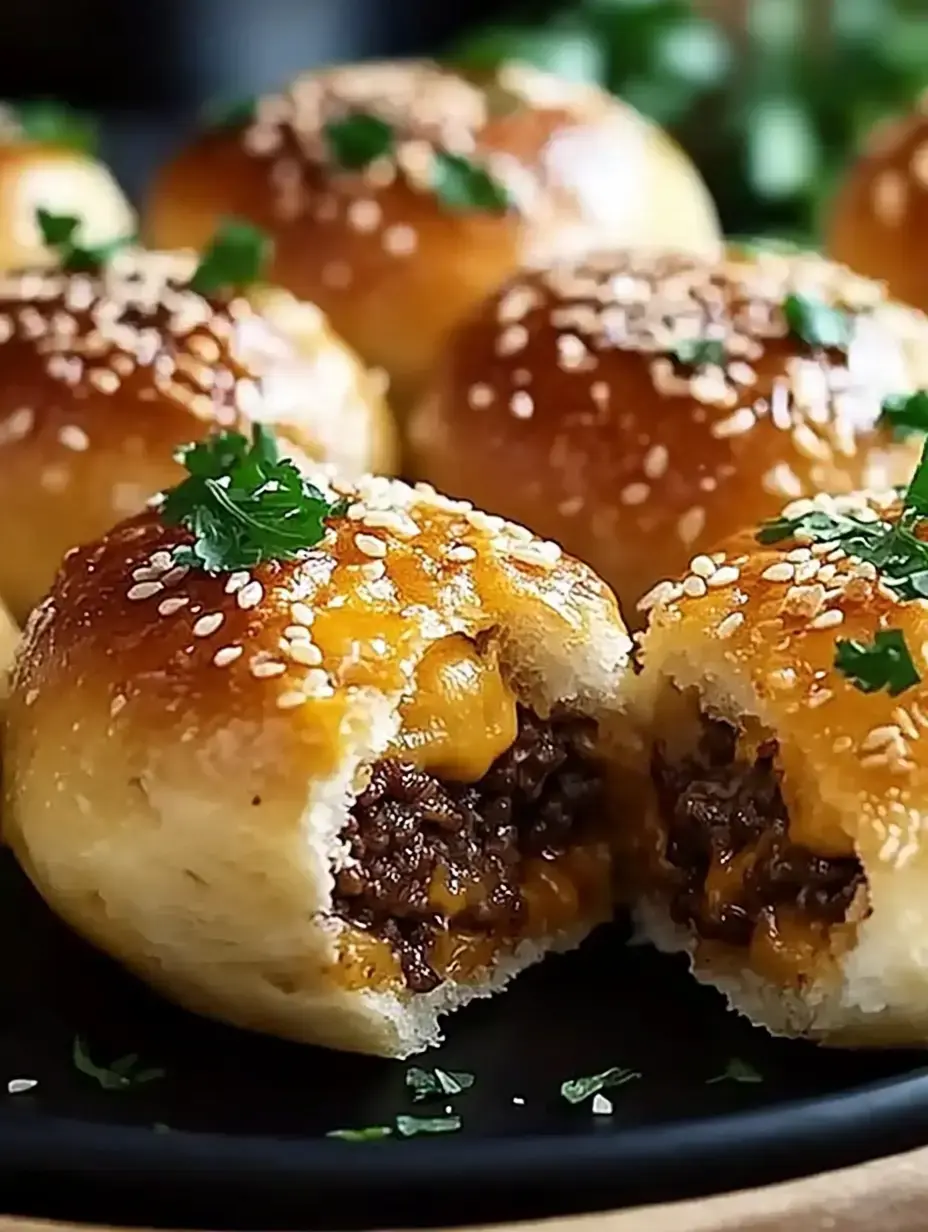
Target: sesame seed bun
749, 636
561, 403
184, 751
62, 180
877, 221
103, 377
392, 266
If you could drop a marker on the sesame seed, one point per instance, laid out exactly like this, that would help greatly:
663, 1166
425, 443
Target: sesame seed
663, 592
601, 1105
480, 396
730, 624
316, 684
522, 405
290, 700
236, 581
743, 420
635, 494
374, 570
842, 744
302, 614
266, 668
799, 555
655, 461
400, 240
780, 571
175, 575
462, 552
818, 697
806, 571
725, 576
828, 619
904, 719
880, 737
227, 655
73, 437
207, 624
513, 339
250, 595
370, 545
306, 653
117, 704
702, 566
691, 524
144, 590
17, 1086
297, 633
694, 587
167, 607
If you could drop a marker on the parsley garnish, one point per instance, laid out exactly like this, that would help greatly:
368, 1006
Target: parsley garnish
736, 1070
816, 323
906, 413
235, 257
461, 185
576, 1090
119, 1076
358, 140
884, 663
700, 352
371, 1133
411, 1126
59, 232
49, 123
229, 113
437, 1083
244, 504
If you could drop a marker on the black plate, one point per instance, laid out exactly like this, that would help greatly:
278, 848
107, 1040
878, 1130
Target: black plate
233, 1135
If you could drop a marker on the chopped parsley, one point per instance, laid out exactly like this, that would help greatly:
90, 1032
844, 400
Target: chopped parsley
412, 1126
884, 663
437, 1083
59, 232
229, 113
700, 352
236, 257
50, 123
737, 1070
244, 504
576, 1090
906, 413
462, 185
816, 323
371, 1133
359, 140
119, 1076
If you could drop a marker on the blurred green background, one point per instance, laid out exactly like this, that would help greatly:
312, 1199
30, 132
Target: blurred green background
770, 97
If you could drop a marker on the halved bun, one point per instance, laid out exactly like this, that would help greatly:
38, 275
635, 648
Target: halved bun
102, 377
193, 764
781, 834
391, 263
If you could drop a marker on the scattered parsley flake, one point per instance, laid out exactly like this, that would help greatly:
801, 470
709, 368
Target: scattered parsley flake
229, 113
59, 232
884, 663
700, 352
816, 323
359, 140
235, 257
737, 1070
243, 504
461, 185
437, 1083
122, 1074
51, 123
371, 1133
906, 413
412, 1126
576, 1090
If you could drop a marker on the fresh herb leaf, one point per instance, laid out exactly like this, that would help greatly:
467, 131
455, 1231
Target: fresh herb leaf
816, 323
576, 1090
50, 123
358, 140
461, 185
123, 1073
412, 1126
235, 257
59, 231
243, 504
437, 1083
737, 1071
884, 663
916, 494
229, 113
700, 352
906, 413
371, 1133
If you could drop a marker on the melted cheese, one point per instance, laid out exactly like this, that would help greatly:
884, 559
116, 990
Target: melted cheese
462, 714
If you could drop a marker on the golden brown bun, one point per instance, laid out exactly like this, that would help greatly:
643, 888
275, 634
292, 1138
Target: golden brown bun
182, 751
61, 180
879, 221
392, 266
9, 640
102, 378
752, 635
559, 404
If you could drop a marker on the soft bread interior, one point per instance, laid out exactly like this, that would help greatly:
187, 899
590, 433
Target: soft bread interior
870, 983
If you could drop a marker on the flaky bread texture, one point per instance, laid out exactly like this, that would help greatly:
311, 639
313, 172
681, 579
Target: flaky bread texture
757, 638
182, 749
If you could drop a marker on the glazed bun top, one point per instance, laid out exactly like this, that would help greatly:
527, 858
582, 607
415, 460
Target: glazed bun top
879, 220
637, 408
41, 167
399, 194
104, 375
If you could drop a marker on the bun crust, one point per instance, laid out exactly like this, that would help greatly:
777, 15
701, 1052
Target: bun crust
751, 635
560, 403
103, 377
391, 265
183, 750
877, 223
64, 181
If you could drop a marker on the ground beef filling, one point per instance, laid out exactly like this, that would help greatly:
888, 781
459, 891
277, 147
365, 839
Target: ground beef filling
716, 809
541, 796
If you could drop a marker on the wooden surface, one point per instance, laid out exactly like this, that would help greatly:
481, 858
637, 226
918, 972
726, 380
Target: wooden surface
889, 1195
